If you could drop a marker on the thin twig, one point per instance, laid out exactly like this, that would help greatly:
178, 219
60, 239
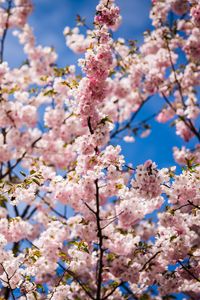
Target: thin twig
11, 290
2, 44
148, 262
100, 244
71, 273
127, 125
188, 271
19, 159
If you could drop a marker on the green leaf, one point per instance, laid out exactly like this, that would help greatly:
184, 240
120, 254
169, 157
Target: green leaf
114, 284
3, 201
40, 286
32, 172
50, 93
106, 119
111, 256
23, 174
173, 237
82, 246
36, 181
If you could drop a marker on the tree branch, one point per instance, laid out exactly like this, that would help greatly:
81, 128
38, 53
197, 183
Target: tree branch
127, 125
148, 262
188, 271
19, 159
2, 43
100, 244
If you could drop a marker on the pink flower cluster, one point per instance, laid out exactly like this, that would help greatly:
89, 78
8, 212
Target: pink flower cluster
76, 220
15, 15
108, 14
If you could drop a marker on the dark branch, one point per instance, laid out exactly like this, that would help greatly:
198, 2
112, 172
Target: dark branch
188, 271
149, 261
127, 125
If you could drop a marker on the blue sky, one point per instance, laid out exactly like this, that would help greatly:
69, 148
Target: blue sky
49, 19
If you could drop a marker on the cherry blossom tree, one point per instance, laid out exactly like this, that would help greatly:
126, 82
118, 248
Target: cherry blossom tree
66, 157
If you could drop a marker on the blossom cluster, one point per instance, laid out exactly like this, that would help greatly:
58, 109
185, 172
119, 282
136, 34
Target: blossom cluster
76, 220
